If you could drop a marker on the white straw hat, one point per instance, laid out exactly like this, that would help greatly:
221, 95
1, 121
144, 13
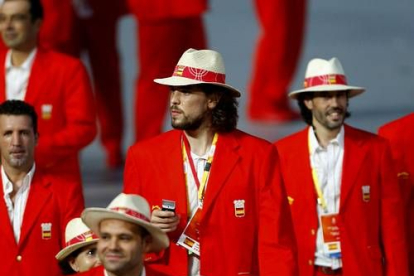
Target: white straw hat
326, 75
197, 67
131, 208
77, 235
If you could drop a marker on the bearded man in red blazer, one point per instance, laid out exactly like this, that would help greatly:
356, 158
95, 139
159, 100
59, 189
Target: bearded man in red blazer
345, 201
34, 207
55, 84
400, 133
215, 190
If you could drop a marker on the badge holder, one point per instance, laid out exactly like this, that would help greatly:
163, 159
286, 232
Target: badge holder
190, 238
331, 235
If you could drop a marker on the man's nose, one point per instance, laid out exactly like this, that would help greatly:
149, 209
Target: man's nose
16, 139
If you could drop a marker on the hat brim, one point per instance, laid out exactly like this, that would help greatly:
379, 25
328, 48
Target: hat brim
92, 217
180, 81
65, 252
353, 90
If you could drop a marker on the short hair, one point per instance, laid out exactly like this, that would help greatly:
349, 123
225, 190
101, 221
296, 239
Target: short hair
305, 112
225, 114
19, 108
35, 10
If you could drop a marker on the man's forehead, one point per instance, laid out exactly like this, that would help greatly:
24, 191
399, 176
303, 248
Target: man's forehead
330, 93
9, 120
14, 6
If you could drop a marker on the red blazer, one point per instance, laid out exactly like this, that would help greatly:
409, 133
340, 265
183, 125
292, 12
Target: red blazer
400, 133
244, 167
99, 271
61, 82
49, 201
161, 9
371, 232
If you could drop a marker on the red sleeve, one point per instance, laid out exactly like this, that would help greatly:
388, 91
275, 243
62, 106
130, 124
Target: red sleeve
392, 217
80, 120
277, 244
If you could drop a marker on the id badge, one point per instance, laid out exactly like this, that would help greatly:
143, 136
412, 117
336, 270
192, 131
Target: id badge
331, 235
190, 238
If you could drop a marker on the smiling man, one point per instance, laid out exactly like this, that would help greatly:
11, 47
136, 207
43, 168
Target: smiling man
210, 185
125, 235
345, 201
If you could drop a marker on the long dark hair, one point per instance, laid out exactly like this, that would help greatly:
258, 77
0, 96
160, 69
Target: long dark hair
225, 114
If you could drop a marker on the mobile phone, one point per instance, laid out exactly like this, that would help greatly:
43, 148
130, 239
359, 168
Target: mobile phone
168, 205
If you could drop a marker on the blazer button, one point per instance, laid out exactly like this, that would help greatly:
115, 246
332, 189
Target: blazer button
313, 232
310, 262
19, 258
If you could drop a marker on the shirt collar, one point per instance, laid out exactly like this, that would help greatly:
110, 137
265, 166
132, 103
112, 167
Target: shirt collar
314, 143
27, 64
8, 185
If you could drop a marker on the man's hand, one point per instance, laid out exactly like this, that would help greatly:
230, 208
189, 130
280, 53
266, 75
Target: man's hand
166, 220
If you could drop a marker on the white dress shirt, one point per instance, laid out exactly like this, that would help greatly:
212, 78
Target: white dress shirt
328, 164
16, 210
17, 78
194, 202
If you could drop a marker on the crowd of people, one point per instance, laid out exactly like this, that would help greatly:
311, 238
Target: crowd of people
204, 198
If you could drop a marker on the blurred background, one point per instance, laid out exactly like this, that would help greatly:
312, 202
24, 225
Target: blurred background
372, 39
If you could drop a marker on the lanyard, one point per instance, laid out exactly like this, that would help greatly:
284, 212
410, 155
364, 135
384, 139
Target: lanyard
187, 157
321, 199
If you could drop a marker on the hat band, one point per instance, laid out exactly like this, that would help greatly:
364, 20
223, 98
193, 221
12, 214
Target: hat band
130, 212
325, 80
84, 237
199, 74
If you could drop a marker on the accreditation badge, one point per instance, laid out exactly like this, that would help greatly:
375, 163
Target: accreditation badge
239, 208
46, 111
366, 193
190, 238
331, 235
46, 231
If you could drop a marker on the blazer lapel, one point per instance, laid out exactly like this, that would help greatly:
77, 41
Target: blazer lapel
354, 156
175, 172
225, 158
38, 197
37, 77
6, 229
3, 77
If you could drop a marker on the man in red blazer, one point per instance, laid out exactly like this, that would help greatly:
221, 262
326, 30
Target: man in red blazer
34, 207
125, 235
215, 190
400, 133
165, 30
345, 202
55, 84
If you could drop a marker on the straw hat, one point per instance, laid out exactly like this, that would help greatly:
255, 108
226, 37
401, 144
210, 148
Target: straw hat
130, 208
326, 75
77, 235
197, 67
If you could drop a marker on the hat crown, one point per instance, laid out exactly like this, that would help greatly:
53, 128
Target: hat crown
124, 203
320, 67
74, 229
203, 59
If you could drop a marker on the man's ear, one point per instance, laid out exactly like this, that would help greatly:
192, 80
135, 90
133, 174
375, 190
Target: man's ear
36, 138
213, 100
73, 264
308, 103
147, 242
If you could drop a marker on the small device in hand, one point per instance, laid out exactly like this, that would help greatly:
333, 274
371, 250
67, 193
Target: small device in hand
168, 205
